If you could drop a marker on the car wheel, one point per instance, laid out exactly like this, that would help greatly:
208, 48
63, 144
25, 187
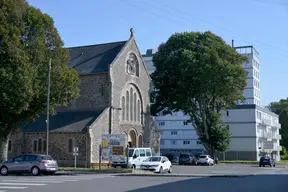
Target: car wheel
274, 165
4, 171
170, 170
133, 167
270, 165
35, 171
161, 170
260, 165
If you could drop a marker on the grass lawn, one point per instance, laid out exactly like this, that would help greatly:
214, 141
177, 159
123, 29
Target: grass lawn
251, 162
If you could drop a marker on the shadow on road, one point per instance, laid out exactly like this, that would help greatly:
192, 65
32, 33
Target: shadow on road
263, 183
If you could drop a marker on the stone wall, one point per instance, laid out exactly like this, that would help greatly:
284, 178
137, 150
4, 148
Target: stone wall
97, 129
24, 143
94, 93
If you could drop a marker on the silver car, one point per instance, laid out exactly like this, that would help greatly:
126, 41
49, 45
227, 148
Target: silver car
30, 163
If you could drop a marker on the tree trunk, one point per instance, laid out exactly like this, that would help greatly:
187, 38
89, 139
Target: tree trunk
4, 149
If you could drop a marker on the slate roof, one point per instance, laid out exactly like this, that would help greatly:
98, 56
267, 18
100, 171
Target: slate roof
72, 121
93, 59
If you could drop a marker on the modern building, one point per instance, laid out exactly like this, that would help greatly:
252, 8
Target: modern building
254, 129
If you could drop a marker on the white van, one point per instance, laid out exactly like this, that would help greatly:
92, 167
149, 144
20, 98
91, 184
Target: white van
136, 156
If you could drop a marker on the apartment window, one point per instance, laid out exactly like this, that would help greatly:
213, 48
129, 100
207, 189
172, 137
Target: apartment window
44, 145
173, 132
162, 123
162, 142
185, 123
198, 142
227, 113
186, 142
173, 142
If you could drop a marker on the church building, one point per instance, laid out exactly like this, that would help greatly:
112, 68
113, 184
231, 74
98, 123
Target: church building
114, 99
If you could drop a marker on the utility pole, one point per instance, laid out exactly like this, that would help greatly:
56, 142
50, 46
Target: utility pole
48, 109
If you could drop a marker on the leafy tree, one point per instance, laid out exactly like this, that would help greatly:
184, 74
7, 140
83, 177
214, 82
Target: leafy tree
28, 39
199, 74
281, 109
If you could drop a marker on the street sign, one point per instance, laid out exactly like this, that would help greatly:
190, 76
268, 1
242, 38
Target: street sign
75, 153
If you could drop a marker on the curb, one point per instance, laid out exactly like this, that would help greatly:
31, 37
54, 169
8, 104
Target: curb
183, 175
87, 172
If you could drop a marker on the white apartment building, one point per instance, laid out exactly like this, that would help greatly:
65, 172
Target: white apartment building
254, 129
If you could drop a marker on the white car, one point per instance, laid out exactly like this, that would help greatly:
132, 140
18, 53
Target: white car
205, 160
157, 164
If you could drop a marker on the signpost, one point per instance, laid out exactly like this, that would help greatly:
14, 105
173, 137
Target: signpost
75, 153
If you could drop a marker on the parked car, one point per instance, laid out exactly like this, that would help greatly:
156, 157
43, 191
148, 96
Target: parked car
267, 160
158, 164
205, 160
136, 156
31, 163
187, 159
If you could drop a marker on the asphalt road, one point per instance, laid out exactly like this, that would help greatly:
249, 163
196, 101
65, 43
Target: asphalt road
273, 180
226, 169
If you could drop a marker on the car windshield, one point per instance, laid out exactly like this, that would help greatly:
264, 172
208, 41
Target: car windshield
154, 159
266, 158
130, 153
203, 156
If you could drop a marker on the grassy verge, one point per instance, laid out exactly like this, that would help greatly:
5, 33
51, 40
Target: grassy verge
251, 162
103, 170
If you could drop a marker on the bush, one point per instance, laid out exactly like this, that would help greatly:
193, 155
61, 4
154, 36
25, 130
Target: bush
284, 152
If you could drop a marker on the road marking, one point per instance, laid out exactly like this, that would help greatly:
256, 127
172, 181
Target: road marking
33, 181
9, 187
27, 184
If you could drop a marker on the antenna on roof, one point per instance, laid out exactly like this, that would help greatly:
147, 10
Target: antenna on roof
131, 32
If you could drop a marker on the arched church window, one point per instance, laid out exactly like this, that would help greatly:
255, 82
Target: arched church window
138, 111
127, 105
132, 65
123, 108
131, 104
135, 107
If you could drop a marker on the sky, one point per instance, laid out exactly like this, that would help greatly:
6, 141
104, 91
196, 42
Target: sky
261, 23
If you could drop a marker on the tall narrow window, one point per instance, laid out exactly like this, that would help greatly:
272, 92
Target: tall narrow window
102, 90
127, 105
9, 145
131, 104
70, 146
44, 146
35, 146
135, 107
138, 111
40, 145
123, 108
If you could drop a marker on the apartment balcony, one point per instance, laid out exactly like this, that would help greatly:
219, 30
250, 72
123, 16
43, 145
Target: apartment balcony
277, 137
276, 126
265, 136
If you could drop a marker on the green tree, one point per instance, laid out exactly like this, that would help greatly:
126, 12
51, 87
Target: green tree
28, 39
199, 74
281, 109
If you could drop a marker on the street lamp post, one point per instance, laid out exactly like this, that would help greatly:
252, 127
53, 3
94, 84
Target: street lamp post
48, 109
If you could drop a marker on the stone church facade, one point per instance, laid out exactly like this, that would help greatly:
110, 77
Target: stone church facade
114, 99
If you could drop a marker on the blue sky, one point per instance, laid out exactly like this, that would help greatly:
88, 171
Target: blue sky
261, 23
